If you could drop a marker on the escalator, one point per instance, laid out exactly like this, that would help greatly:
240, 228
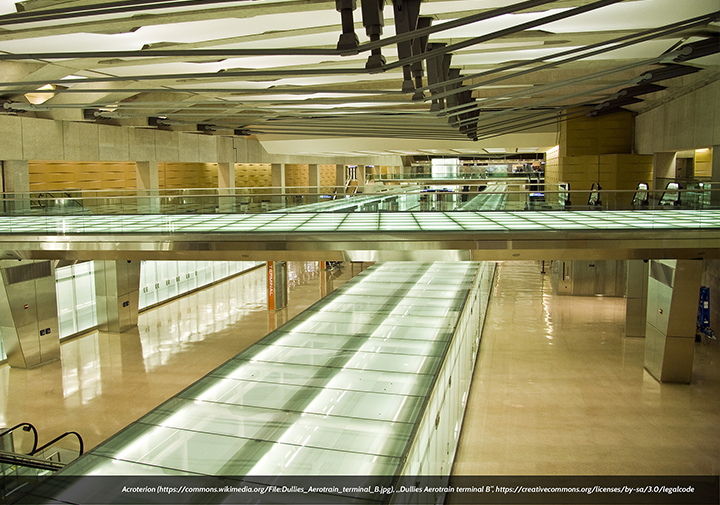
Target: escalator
24, 465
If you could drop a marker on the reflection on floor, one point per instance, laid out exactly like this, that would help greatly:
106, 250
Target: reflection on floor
559, 390
104, 380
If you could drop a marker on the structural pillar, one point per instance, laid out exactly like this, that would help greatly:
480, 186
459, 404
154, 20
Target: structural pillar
314, 182
663, 169
636, 298
28, 313
117, 288
226, 187
277, 173
361, 176
148, 187
277, 285
672, 303
340, 178
16, 185
715, 176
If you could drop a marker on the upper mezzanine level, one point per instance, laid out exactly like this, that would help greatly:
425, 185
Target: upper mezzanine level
493, 221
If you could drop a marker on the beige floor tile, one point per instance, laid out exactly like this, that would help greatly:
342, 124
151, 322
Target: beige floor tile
559, 390
104, 381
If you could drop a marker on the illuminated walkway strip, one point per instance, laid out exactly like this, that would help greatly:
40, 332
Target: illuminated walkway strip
298, 222
339, 390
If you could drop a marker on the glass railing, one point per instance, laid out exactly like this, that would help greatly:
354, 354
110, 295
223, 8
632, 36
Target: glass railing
19, 474
429, 175
500, 195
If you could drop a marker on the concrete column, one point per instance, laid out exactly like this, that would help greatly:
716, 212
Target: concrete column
361, 176
715, 175
277, 285
663, 169
314, 182
148, 187
636, 298
16, 183
277, 172
117, 288
672, 302
340, 177
28, 313
226, 187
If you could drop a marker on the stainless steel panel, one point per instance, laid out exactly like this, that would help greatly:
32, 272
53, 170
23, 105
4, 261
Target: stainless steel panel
121, 277
46, 298
111, 278
658, 305
584, 280
22, 305
637, 273
562, 277
678, 360
688, 274
635, 309
50, 342
117, 283
19, 296
654, 350
101, 302
663, 272
132, 278
134, 298
636, 297
13, 350
30, 342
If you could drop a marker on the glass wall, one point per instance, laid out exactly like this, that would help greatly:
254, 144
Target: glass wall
159, 282
75, 289
163, 280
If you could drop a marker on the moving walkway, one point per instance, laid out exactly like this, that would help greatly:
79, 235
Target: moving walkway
369, 384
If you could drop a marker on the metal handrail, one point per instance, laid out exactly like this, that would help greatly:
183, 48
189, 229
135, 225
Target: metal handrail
58, 438
25, 427
13, 458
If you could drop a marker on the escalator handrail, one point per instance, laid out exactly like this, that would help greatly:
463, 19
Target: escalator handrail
56, 439
13, 458
19, 425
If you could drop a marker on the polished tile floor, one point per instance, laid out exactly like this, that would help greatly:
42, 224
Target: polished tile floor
104, 381
558, 390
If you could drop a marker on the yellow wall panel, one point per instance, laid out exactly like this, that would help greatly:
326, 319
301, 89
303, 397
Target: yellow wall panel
49, 176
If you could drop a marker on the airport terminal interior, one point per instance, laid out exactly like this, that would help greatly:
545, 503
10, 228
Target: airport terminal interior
380, 238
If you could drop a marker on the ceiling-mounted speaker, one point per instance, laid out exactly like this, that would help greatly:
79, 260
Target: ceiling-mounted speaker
91, 114
158, 122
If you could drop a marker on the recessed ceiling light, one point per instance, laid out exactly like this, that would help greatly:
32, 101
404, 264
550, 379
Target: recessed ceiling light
495, 150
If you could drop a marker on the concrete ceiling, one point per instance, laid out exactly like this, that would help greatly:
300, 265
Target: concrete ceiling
271, 68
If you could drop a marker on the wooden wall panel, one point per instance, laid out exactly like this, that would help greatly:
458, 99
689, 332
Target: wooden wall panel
49, 176
297, 176
253, 175
703, 163
188, 175
327, 175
